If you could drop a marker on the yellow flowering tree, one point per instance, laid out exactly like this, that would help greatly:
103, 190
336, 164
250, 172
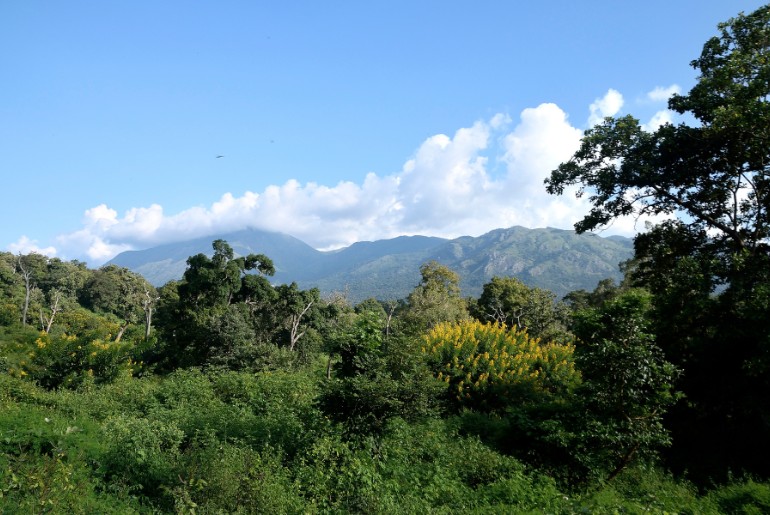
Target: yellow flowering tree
66, 360
489, 367
82, 347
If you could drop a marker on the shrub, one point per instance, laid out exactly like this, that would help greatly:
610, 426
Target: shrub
68, 360
748, 497
220, 477
141, 454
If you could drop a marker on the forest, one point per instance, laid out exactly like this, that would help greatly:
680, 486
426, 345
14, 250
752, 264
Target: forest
225, 393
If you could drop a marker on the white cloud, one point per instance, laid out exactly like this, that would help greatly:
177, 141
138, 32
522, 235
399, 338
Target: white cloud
446, 188
658, 119
661, 94
542, 141
27, 246
609, 105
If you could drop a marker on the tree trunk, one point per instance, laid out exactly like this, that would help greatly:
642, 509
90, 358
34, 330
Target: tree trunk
47, 322
147, 304
624, 462
295, 334
26, 274
120, 333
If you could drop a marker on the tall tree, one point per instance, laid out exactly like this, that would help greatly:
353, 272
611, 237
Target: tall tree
118, 291
627, 384
201, 313
716, 175
436, 299
508, 301
709, 267
31, 268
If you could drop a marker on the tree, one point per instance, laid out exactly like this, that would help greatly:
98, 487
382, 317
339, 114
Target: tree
120, 292
627, 383
489, 367
707, 268
436, 299
213, 301
297, 303
215, 281
508, 301
372, 382
30, 267
716, 176
605, 290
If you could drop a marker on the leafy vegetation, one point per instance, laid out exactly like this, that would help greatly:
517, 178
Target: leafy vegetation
224, 393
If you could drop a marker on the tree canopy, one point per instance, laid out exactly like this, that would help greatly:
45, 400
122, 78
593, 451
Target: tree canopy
715, 175
708, 264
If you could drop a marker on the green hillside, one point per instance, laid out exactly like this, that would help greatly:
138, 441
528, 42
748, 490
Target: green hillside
558, 260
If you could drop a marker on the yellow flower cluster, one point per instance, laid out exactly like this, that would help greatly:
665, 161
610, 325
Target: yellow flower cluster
482, 359
100, 345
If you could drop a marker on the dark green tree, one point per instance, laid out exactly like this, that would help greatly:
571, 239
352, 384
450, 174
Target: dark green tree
508, 301
579, 300
627, 384
118, 291
436, 299
372, 382
196, 314
708, 267
214, 282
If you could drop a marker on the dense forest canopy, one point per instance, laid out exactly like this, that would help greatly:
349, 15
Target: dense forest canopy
222, 392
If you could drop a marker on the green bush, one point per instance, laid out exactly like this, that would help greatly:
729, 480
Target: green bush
69, 360
747, 497
420, 468
56, 484
218, 477
141, 454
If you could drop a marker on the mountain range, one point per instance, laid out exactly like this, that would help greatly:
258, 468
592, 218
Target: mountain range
555, 259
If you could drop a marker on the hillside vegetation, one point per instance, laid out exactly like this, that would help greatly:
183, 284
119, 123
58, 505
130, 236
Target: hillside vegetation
554, 259
226, 391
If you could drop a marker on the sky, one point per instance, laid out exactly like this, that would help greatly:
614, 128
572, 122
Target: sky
125, 125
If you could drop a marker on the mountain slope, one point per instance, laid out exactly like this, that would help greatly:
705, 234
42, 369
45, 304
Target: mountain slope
555, 259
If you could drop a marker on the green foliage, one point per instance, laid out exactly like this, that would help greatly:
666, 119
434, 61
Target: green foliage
80, 349
47, 457
644, 490
217, 477
221, 316
421, 468
748, 497
627, 383
507, 300
64, 360
376, 379
141, 454
436, 299
708, 268
55, 485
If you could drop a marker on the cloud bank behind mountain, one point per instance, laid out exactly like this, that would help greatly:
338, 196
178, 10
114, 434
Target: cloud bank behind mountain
484, 176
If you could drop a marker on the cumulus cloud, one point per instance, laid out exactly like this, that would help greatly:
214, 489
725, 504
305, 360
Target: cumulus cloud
609, 105
482, 177
24, 245
662, 94
660, 118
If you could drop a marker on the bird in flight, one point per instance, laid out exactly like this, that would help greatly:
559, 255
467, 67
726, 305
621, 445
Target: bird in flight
219, 157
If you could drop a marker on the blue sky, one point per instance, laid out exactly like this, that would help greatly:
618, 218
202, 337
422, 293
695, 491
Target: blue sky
337, 121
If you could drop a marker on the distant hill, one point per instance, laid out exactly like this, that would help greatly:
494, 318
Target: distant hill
556, 259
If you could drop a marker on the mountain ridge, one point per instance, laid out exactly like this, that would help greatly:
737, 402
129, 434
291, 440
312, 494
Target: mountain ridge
557, 259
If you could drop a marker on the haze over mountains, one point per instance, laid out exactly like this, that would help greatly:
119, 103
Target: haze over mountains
556, 259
